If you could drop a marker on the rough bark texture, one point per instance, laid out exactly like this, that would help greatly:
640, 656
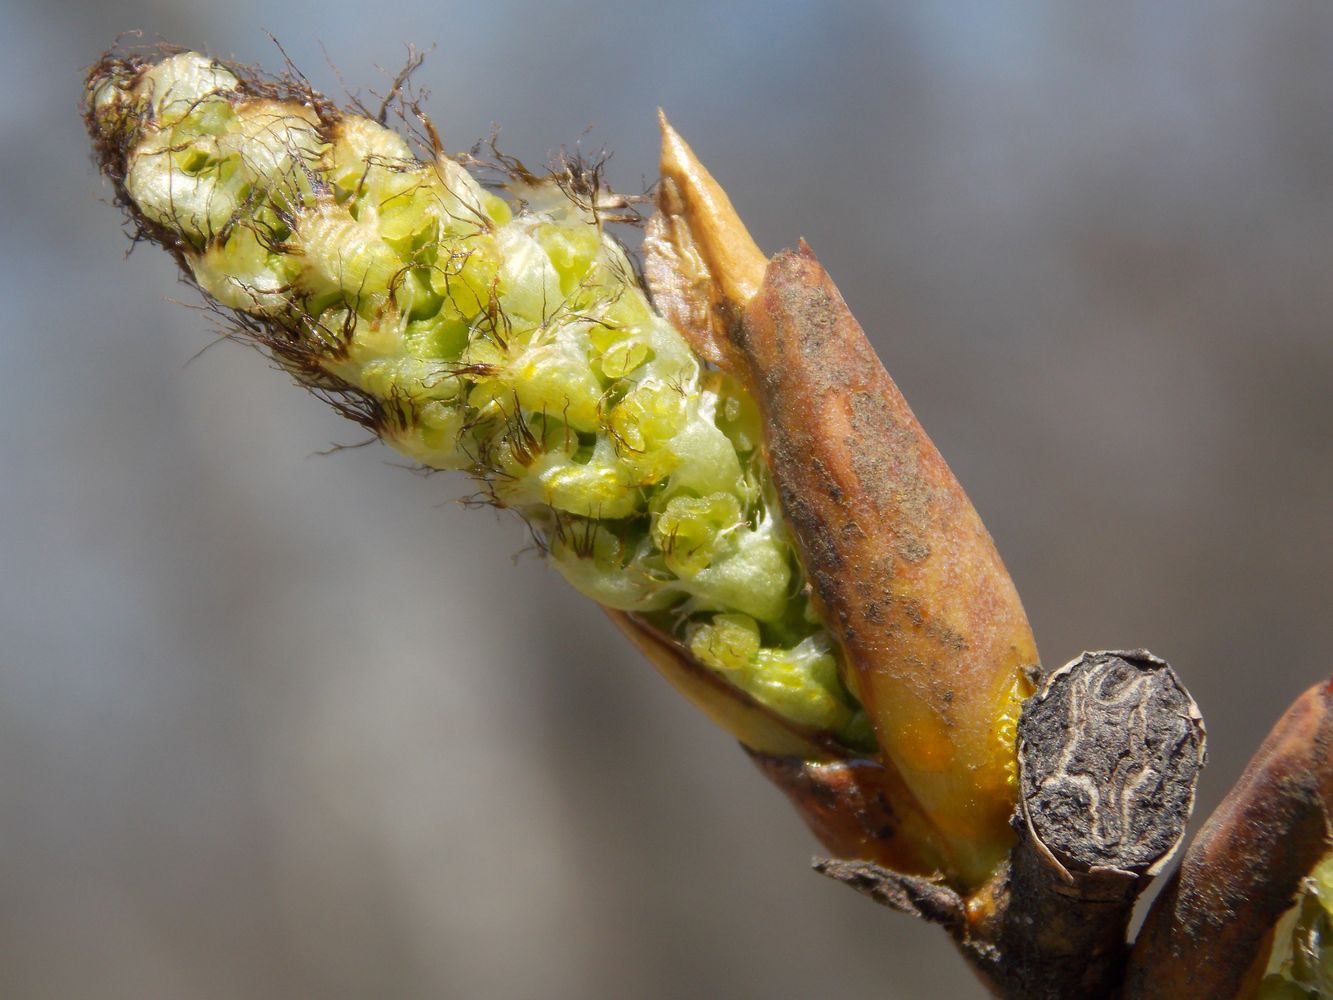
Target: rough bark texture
1109, 754
910, 894
1211, 926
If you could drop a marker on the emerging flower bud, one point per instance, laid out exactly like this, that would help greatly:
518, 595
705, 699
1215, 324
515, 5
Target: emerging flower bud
512, 339
508, 339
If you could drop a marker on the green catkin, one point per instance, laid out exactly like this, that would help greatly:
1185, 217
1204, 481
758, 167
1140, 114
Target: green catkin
510, 339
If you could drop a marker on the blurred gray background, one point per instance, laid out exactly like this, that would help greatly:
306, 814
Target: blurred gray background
275, 725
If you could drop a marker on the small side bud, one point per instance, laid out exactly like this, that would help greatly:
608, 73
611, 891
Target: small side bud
1212, 930
700, 260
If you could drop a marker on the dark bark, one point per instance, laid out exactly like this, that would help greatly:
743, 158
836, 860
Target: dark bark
1109, 754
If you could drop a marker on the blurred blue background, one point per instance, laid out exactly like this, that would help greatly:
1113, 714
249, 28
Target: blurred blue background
275, 725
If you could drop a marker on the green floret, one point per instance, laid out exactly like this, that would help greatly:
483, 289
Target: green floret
1301, 963
508, 339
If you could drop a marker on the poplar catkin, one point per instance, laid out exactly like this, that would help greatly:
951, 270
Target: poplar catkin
508, 338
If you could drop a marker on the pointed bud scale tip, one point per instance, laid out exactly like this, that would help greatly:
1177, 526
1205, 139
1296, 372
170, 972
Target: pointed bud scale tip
733, 258
929, 624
